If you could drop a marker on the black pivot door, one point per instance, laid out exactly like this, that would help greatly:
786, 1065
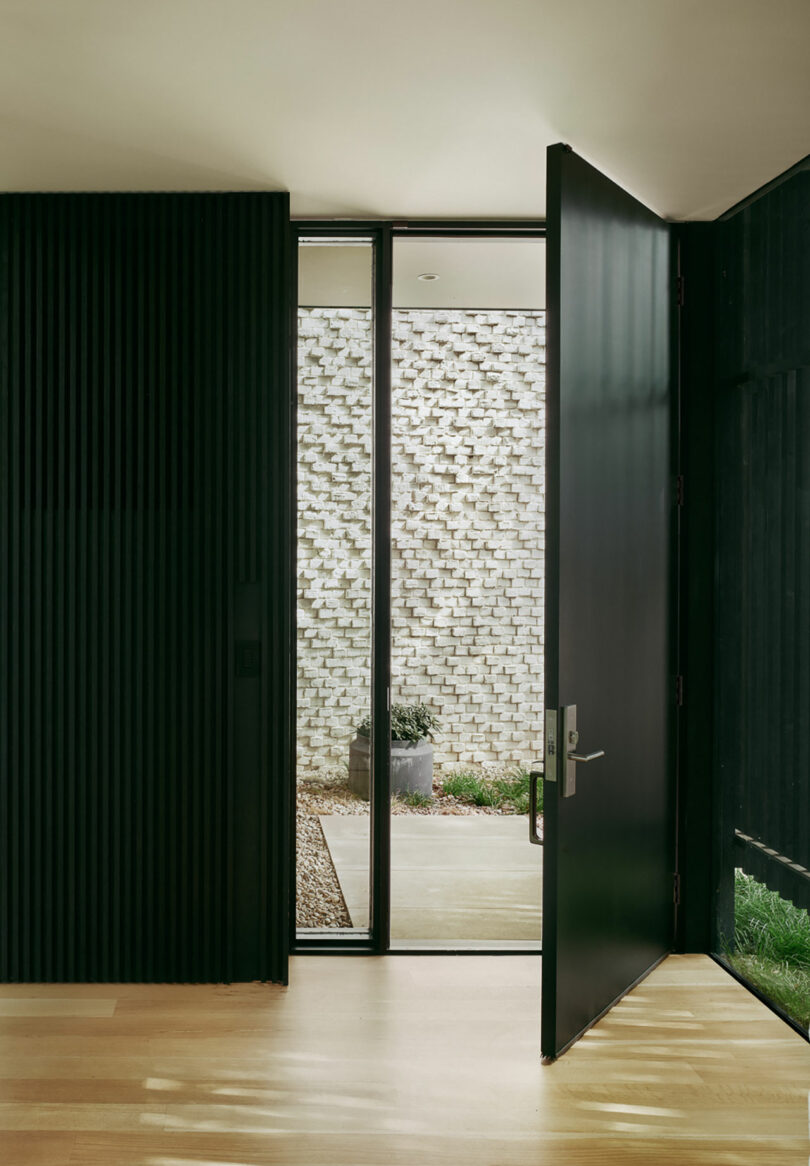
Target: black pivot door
608, 855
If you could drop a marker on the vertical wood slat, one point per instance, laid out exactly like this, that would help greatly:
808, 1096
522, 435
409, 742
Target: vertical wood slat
763, 531
146, 409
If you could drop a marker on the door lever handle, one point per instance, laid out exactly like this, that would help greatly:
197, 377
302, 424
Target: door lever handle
571, 737
534, 837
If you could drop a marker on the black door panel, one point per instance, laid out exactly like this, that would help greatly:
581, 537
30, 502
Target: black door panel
607, 912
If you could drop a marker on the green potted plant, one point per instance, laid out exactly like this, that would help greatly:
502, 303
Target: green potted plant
412, 729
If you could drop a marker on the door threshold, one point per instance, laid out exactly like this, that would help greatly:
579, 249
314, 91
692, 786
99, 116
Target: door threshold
323, 941
465, 947
352, 943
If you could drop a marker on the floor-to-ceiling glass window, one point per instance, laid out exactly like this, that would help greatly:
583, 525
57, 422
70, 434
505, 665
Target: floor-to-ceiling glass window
335, 409
467, 473
464, 501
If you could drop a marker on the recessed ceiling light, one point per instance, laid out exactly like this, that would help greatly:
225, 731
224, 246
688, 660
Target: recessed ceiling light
428, 276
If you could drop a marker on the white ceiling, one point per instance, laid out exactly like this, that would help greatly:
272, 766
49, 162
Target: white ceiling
378, 108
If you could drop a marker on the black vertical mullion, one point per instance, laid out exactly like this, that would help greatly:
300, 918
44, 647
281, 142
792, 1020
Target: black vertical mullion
9, 566
104, 625
285, 288
380, 914
290, 286
119, 657
45, 663
71, 527
32, 738
58, 615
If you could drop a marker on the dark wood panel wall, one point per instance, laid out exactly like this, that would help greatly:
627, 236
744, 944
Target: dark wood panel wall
145, 430
762, 452
745, 584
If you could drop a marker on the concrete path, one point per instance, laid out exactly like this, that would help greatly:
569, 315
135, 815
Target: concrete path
466, 880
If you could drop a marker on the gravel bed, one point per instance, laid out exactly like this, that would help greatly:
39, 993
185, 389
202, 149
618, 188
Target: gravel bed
329, 793
319, 901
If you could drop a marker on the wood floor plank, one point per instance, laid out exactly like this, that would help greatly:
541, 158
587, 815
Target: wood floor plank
382, 1062
436, 1150
37, 1148
31, 1006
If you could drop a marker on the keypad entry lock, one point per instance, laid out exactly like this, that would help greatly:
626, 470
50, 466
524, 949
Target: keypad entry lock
569, 738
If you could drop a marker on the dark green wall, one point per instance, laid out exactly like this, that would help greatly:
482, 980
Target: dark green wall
145, 530
745, 583
762, 453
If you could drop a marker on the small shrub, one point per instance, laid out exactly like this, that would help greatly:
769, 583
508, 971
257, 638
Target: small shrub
409, 722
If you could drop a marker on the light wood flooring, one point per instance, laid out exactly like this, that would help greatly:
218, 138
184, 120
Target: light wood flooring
398, 1061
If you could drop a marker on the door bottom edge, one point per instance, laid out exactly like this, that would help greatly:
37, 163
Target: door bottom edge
550, 1058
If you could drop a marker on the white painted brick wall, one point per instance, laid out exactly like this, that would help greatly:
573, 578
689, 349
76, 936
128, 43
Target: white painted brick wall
468, 439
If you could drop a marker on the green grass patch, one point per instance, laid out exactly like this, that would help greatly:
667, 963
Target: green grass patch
785, 984
772, 946
509, 793
415, 798
469, 787
769, 926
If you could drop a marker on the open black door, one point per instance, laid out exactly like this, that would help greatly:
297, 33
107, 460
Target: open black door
608, 854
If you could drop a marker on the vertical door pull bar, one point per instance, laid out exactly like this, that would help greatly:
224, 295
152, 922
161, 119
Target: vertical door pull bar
534, 777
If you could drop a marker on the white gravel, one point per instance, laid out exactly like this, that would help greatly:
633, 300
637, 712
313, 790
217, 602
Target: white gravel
319, 900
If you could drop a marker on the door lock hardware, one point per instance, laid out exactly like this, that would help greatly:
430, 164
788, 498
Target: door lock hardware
550, 771
569, 772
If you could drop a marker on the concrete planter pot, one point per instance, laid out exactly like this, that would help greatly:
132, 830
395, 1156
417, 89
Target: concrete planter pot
411, 767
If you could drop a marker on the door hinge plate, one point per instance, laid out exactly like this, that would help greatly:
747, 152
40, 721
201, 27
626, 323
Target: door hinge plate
679, 691
680, 290
679, 490
676, 889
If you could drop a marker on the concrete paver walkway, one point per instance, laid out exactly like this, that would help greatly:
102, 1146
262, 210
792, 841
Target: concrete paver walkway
466, 879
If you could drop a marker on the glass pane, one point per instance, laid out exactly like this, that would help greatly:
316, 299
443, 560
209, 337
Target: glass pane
468, 434
334, 583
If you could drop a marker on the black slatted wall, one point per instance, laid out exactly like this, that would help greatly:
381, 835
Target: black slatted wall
145, 662
762, 612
